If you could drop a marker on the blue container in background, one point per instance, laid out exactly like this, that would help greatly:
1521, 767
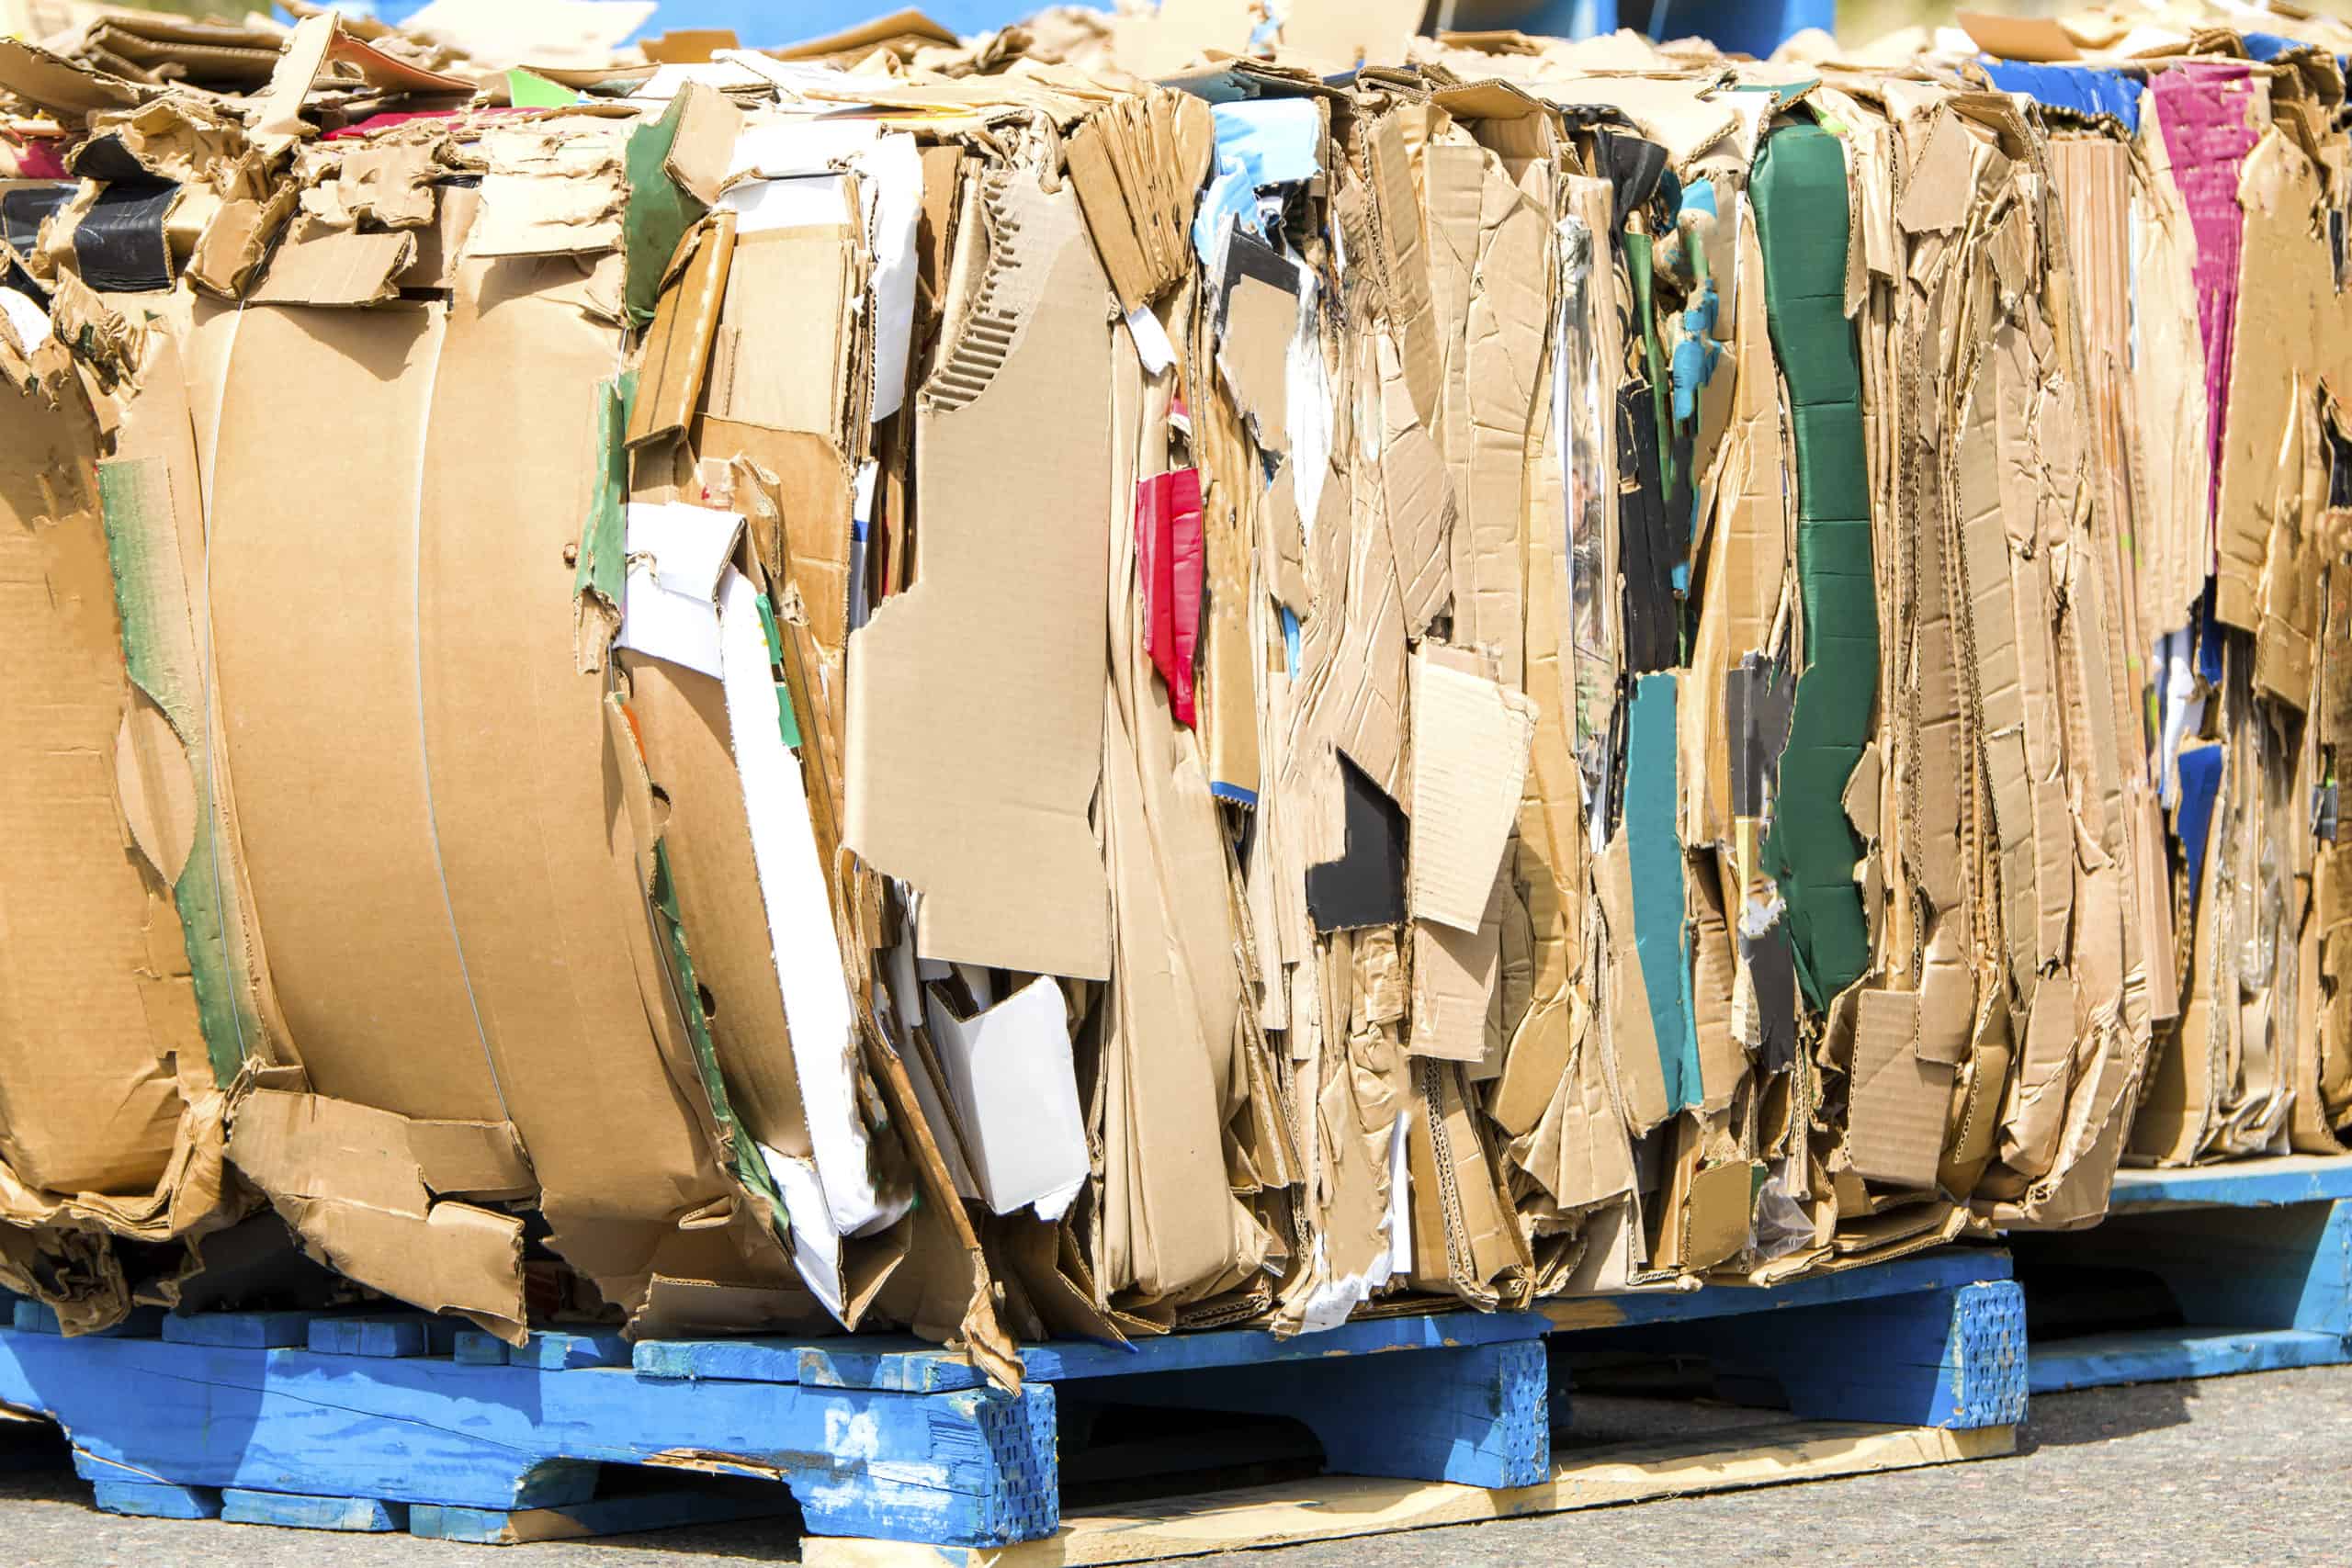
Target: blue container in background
1746, 26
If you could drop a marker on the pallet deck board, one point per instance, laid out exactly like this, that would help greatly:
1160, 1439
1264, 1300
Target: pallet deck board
2171, 1355
2283, 1178
662, 1508
1336, 1508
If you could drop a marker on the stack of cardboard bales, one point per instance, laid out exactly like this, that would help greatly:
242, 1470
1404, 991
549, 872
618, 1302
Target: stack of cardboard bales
912, 686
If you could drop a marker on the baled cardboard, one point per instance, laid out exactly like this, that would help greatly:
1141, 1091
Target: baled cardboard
1476, 687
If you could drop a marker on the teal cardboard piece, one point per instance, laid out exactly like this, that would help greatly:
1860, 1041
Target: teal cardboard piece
1801, 220
1660, 936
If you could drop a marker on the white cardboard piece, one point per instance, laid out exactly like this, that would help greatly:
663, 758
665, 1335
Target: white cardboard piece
817, 1008
669, 603
1015, 1086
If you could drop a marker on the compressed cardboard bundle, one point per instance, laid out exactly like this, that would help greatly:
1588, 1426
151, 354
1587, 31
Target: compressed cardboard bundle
111, 1117
942, 689
2204, 171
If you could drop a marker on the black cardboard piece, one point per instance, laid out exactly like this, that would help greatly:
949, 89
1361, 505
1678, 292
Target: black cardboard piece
1772, 973
1645, 555
1639, 177
119, 241
1759, 700
107, 157
1246, 256
26, 209
1365, 886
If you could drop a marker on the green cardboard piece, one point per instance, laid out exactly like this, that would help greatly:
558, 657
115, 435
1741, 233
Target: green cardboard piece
529, 90
1641, 266
1661, 938
787, 723
133, 493
660, 212
740, 1152
1799, 190
603, 567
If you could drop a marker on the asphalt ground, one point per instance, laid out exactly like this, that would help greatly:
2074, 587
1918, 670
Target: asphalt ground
2245, 1470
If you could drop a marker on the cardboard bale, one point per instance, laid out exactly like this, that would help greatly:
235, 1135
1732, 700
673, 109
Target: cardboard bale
1274, 697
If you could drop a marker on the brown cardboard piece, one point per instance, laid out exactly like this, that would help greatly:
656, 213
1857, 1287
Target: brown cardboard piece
1018, 882
319, 265
97, 1005
1469, 746
1897, 1106
351, 1182
549, 191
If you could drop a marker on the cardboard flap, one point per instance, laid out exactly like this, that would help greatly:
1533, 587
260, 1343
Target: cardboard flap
550, 192
1896, 1107
674, 361
65, 88
471, 1159
1470, 743
702, 154
318, 265
2019, 38
1004, 620
346, 1177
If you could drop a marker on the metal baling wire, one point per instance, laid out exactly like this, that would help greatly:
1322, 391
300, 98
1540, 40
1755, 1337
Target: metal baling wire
423, 747
211, 769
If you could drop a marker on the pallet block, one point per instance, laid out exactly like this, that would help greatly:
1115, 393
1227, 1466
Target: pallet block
2256, 1254
253, 1417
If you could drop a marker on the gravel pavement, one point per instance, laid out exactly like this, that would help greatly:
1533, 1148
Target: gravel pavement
2240, 1470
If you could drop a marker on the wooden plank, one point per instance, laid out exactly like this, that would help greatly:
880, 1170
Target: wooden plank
549, 1350
750, 1359
916, 1367
667, 1508
2238, 1184
33, 1317
298, 1511
912, 1366
252, 1330
155, 1500
1334, 1508
1942, 1269
2166, 1355
385, 1336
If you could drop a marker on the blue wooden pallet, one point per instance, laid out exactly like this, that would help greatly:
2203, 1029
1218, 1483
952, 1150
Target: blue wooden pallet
396, 1422
2256, 1255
